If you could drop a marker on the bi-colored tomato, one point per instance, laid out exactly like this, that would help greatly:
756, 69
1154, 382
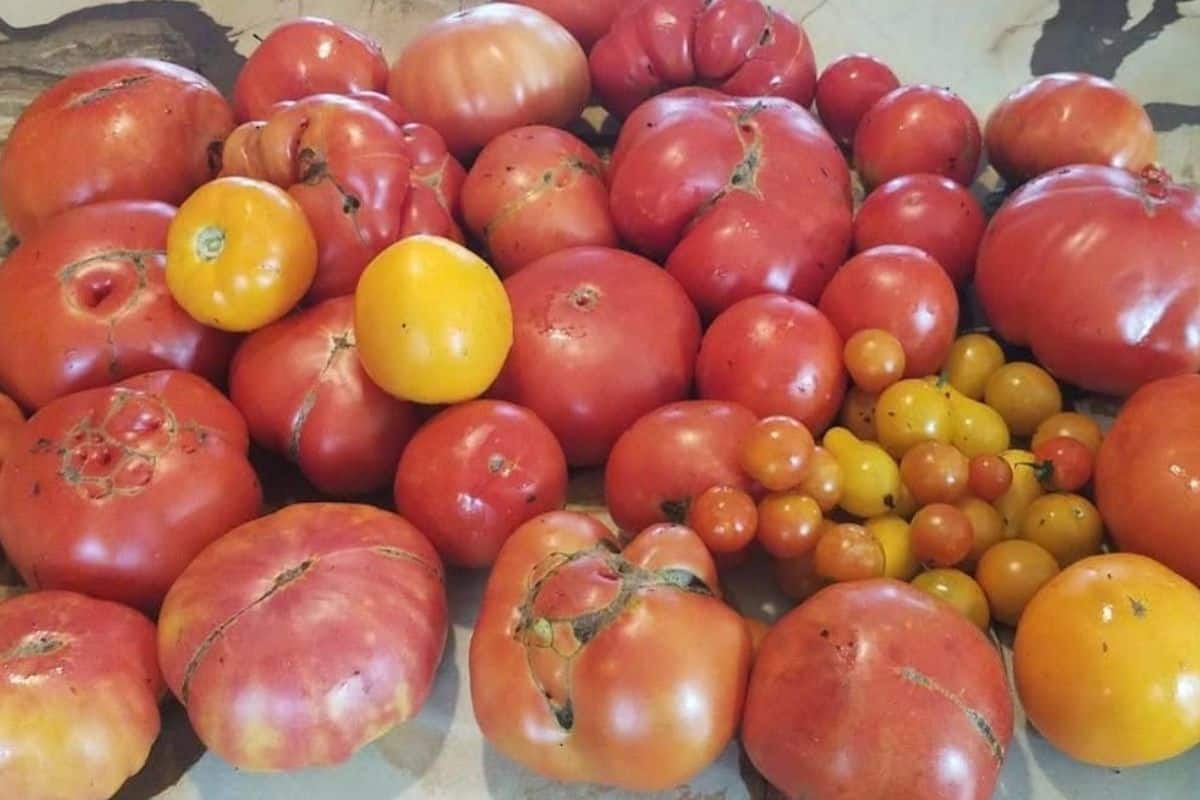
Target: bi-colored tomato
1072, 425
942, 535
935, 472
848, 552
725, 518
847, 88
874, 358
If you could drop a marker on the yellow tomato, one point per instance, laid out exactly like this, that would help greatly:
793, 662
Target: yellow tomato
1073, 425
432, 321
240, 254
1011, 573
858, 413
977, 429
909, 412
1107, 661
1067, 525
972, 360
987, 527
960, 590
1025, 395
1025, 488
894, 537
906, 504
870, 477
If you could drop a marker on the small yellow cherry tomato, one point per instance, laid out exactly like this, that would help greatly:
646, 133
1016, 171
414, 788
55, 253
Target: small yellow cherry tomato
432, 320
959, 590
987, 527
972, 360
1011, 573
240, 254
912, 411
1024, 489
1073, 425
894, 537
1025, 395
870, 477
1067, 525
858, 413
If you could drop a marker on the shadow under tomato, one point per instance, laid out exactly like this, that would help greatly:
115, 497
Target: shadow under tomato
175, 752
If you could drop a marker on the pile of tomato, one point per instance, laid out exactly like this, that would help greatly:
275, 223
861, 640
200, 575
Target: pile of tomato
416, 284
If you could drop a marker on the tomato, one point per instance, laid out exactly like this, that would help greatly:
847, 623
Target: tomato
903, 291
758, 632
910, 412
788, 524
1023, 490
84, 303
870, 478
775, 355
858, 413
916, 130
79, 691
987, 528
1065, 464
350, 598
111, 492
736, 196
960, 590
1074, 257
534, 191
581, 315
977, 428
739, 47
561, 608
129, 129
823, 481
971, 361
942, 535
304, 394
848, 552
797, 578
874, 358
1073, 425
1024, 394
776, 453
1067, 525
12, 419
989, 477
934, 472
854, 695
587, 22
476, 73
848, 86
906, 504
1011, 573
928, 212
1106, 661
725, 519
894, 536
1068, 118
432, 320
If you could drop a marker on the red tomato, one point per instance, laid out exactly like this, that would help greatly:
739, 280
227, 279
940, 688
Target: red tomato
847, 88
875, 689
304, 394
1068, 118
534, 191
1097, 271
363, 180
84, 303
79, 691
563, 609
1065, 463
928, 212
111, 492
477, 73
130, 129
601, 338
774, 355
11, 422
739, 47
737, 196
671, 456
918, 129
903, 291
587, 22
340, 615
474, 473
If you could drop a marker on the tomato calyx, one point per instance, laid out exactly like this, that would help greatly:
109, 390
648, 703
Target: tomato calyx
101, 283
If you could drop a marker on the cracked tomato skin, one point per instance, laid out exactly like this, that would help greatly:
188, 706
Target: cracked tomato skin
304, 394
534, 191
562, 606
70, 664
587, 22
128, 129
111, 492
743, 48
364, 179
350, 599
873, 690
738, 196
84, 303
847, 89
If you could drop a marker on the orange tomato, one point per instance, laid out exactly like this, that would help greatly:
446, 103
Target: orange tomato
960, 590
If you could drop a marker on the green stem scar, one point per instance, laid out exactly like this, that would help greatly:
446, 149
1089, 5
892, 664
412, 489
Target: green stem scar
210, 243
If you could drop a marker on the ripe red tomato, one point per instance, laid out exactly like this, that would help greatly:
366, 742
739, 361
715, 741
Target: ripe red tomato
724, 518
929, 212
736, 196
79, 691
562, 607
742, 48
11, 422
84, 303
918, 129
1065, 463
112, 491
875, 689
587, 22
672, 455
534, 191
774, 355
477, 73
1068, 118
847, 88
903, 291
601, 338
304, 635
304, 394
1096, 270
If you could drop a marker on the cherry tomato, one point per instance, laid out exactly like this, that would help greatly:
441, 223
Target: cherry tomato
934, 472
977, 428
776, 453
987, 527
1011, 573
989, 477
910, 412
846, 90
725, 517
1067, 525
960, 590
1024, 489
1024, 394
788, 524
1072, 424
874, 358
906, 504
797, 577
1064, 464
824, 481
847, 552
942, 535
871, 479
858, 413
972, 360
895, 537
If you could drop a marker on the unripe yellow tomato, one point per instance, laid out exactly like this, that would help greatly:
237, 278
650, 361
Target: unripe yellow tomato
972, 360
893, 534
912, 411
870, 477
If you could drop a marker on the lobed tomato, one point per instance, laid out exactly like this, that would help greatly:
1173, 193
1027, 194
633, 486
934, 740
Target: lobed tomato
847, 88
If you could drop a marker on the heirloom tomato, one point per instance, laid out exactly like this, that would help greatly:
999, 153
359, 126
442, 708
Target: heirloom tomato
1011, 573
587, 22
11, 421
847, 88
870, 478
848, 552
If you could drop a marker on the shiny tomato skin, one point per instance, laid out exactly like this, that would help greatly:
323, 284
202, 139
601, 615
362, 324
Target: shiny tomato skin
873, 689
847, 88
69, 664
580, 316
775, 355
350, 598
304, 394
587, 22
903, 291
111, 492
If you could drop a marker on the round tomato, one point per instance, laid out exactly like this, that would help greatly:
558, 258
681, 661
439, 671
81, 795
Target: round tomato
960, 590
874, 358
972, 360
854, 695
129, 129
304, 393
776, 453
562, 606
534, 191
602, 337
847, 88
587, 22
111, 492
11, 421
349, 598
84, 303
1024, 395
79, 691
1011, 573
